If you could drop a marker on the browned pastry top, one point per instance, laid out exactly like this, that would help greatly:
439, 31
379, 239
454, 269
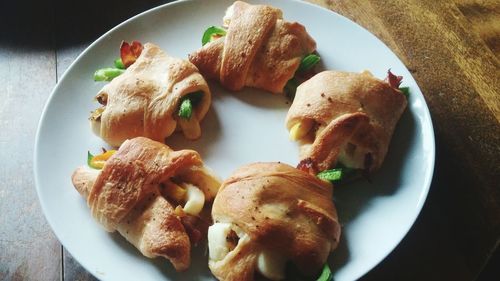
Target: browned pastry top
281, 209
143, 101
348, 110
132, 173
259, 50
127, 195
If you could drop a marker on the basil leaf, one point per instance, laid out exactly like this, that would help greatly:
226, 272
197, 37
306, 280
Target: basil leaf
308, 62
405, 91
210, 32
107, 74
331, 175
119, 63
186, 109
326, 274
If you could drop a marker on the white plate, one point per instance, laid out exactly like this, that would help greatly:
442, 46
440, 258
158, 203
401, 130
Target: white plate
240, 128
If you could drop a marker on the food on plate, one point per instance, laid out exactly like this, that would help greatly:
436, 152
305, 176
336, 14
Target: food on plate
267, 215
346, 119
157, 198
153, 97
256, 47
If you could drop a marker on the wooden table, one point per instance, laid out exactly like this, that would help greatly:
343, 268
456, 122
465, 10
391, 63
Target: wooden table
451, 47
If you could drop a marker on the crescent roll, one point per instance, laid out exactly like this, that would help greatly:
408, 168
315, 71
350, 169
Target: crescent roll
347, 118
259, 50
138, 193
145, 99
266, 215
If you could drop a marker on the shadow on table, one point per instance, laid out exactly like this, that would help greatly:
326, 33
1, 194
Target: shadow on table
58, 23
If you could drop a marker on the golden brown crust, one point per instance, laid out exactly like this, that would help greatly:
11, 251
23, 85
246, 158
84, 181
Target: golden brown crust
351, 111
260, 49
281, 209
125, 196
143, 100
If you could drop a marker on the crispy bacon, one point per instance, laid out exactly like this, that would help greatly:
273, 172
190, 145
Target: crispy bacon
130, 52
308, 165
393, 80
196, 228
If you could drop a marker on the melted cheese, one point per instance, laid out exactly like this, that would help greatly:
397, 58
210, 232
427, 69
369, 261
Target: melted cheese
195, 199
218, 247
271, 265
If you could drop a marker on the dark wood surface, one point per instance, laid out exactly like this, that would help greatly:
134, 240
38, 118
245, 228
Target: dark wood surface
451, 47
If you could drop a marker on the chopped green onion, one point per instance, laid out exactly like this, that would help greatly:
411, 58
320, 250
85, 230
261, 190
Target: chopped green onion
89, 158
326, 274
119, 63
188, 102
405, 91
308, 62
291, 88
186, 109
210, 32
107, 74
331, 175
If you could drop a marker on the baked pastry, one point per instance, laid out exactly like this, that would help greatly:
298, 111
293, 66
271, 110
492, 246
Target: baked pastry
259, 50
145, 100
268, 214
346, 118
138, 193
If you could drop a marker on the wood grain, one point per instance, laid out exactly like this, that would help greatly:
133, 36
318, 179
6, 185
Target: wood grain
73, 35
451, 47
459, 76
28, 248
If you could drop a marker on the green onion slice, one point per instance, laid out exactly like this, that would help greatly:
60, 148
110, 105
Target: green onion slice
326, 274
107, 74
331, 175
405, 91
119, 63
186, 109
89, 158
308, 62
210, 33
187, 104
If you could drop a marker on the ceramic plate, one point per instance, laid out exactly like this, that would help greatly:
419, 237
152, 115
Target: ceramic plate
240, 128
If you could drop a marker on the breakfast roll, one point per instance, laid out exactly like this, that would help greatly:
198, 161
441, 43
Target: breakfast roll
154, 96
344, 118
259, 49
267, 215
153, 196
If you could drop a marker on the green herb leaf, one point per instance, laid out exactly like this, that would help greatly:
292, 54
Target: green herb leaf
107, 74
186, 109
331, 175
405, 91
89, 158
308, 62
188, 102
326, 274
291, 88
119, 63
210, 32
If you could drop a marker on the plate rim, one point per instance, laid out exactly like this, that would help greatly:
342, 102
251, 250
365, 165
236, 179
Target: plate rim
427, 181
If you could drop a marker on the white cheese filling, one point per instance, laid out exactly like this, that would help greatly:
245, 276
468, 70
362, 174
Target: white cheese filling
218, 247
271, 265
195, 199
